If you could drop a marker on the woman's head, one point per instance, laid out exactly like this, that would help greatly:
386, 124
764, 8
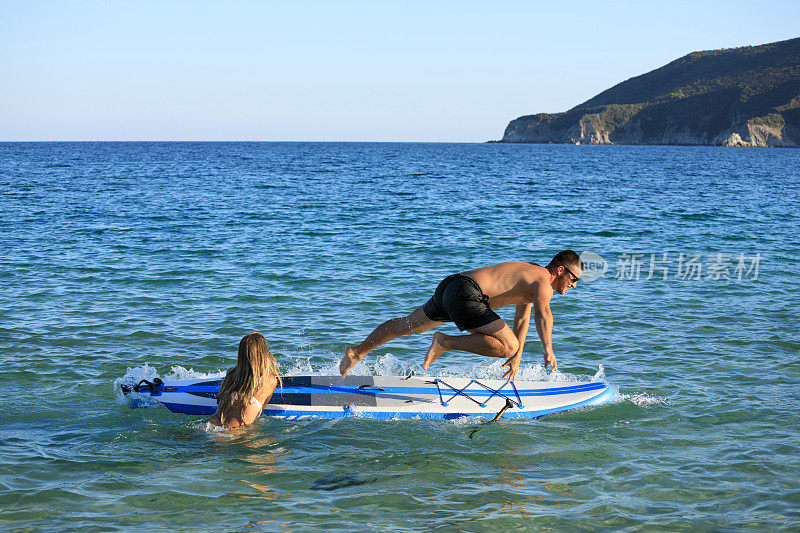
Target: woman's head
253, 365
254, 354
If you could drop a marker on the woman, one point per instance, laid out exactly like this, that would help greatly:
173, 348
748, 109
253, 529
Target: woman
247, 386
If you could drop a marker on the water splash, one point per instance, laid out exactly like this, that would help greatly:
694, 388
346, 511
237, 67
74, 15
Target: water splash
389, 365
136, 374
132, 377
179, 372
600, 375
641, 399
383, 365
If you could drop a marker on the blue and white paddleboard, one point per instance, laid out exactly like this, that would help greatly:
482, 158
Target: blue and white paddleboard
390, 397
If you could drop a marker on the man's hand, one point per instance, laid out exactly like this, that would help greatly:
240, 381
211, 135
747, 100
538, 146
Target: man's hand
550, 360
513, 366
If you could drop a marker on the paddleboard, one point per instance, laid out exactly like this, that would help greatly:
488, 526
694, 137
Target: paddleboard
389, 397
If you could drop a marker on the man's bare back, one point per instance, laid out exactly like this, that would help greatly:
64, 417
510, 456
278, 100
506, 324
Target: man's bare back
512, 283
469, 298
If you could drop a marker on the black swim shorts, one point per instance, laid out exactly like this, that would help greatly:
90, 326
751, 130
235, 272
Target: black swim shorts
459, 299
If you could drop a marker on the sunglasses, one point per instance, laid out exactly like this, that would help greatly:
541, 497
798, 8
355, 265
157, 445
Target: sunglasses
574, 277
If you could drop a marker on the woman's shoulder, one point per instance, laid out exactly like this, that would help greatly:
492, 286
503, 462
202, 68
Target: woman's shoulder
267, 387
270, 383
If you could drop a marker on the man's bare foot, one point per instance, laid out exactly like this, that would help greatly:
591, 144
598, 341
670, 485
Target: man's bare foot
348, 361
434, 351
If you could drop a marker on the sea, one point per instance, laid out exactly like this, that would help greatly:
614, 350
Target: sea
128, 261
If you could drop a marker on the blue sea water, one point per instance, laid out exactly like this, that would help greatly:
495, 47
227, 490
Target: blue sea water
128, 260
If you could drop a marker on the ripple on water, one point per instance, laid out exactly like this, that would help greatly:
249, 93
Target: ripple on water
144, 259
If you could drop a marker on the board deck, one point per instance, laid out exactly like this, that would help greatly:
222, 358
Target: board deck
391, 397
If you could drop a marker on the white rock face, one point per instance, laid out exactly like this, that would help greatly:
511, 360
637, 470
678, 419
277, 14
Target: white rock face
589, 129
757, 135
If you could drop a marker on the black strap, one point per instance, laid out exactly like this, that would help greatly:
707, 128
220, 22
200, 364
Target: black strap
151, 386
495, 419
365, 388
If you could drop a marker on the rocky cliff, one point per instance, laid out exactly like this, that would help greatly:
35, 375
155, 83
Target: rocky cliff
746, 96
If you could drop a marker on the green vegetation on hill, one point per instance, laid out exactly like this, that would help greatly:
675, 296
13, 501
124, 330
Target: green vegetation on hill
746, 96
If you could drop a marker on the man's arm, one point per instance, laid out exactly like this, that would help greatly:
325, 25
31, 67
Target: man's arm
544, 326
522, 320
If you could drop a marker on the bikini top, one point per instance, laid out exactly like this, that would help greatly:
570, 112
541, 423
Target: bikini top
253, 400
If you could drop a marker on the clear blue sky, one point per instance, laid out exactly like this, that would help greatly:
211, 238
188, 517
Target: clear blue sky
338, 70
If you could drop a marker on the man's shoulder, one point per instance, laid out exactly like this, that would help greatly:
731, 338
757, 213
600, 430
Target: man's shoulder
536, 277
519, 265
540, 282
526, 272
532, 269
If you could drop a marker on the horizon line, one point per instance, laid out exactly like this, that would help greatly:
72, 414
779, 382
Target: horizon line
241, 141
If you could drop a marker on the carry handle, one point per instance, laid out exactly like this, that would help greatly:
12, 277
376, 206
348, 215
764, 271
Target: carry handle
366, 388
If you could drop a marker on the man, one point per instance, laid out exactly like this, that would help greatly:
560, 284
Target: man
469, 300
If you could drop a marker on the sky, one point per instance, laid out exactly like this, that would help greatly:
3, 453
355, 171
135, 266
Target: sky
409, 71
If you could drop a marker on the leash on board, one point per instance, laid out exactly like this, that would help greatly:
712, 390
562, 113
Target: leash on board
152, 386
509, 403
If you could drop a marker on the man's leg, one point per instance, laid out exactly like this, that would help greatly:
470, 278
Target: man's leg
416, 322
495, 339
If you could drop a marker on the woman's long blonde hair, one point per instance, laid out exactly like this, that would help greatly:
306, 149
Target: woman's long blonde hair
253, 365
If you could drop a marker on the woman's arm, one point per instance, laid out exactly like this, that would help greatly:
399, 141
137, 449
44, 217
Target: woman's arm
216, 418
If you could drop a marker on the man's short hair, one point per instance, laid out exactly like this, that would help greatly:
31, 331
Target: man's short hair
566, 258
